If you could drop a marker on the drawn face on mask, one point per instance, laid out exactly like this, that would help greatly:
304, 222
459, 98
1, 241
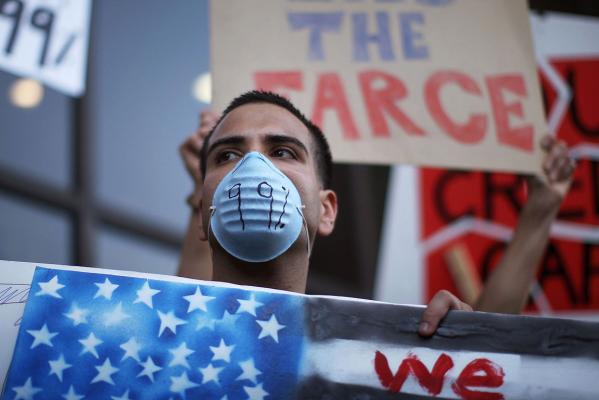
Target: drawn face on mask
284, 144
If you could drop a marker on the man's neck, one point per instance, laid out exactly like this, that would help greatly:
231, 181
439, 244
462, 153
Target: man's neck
286, 272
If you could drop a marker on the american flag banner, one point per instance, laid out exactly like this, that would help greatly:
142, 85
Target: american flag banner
98, 335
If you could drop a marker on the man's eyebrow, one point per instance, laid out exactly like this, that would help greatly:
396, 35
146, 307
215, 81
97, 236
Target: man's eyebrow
285, 139
231, 140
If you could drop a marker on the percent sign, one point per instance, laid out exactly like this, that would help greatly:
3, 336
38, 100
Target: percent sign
42, 19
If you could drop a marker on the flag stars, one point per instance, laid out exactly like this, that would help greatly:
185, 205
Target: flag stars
105, 289
169, 321
58, 366
222, 351
210, 374
145, 294
228, 319
197, 301
50, 288
249, 371
179, 384
256, 392
72, 395
78, 315
42, 336
26, 392
205, 322
89, 345
104, 372
125, 396
115, 316
180, 355
248, 306
149, 369
131, 348
270, 328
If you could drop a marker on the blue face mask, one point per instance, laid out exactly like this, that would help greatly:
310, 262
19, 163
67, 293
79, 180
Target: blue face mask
256, 212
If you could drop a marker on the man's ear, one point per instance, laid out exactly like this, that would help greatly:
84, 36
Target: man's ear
200, 221
328, 212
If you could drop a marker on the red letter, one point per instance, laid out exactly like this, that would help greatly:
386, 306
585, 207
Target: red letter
330, 94
431, 381
519, 137
479, 373
384, 99
277, 81
470, 132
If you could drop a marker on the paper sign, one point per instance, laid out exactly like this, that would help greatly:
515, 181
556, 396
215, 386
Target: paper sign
444, 83
46, 40
90, 333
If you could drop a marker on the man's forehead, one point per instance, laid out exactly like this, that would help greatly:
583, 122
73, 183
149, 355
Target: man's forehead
260, 119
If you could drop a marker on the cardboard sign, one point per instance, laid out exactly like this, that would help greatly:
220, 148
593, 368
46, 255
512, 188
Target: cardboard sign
437, 82
91, 334
46, 40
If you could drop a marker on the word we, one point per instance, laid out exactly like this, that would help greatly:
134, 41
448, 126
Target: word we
479, 373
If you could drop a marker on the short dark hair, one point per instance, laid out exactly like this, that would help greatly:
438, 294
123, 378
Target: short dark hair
322, 155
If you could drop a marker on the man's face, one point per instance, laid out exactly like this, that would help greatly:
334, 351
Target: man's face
279, 135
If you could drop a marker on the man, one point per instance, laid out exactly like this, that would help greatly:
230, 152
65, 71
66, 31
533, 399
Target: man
271, 126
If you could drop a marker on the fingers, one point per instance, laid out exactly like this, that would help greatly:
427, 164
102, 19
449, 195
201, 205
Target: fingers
190, 153
437, 309
208, 119
558, 166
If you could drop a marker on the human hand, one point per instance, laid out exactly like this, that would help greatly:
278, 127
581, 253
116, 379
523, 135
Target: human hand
437, 309
190, 152
558, 169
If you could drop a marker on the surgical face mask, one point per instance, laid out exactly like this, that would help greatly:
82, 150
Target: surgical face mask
256, 212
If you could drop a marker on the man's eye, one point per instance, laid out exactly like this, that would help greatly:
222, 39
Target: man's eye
283, 153
226, 156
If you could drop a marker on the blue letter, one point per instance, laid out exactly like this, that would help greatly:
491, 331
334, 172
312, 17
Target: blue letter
361, 36
316, 23
409, 36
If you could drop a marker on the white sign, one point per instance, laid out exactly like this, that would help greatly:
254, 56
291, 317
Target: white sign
46, 40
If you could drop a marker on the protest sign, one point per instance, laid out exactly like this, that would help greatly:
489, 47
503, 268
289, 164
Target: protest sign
95, 334
46, 40
443, 83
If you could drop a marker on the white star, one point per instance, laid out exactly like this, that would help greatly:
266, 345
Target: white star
50, 288
78, 315
144, 295
222, 352
104, 372
181, 383
249, 371
169, 321
105, 289
131, 348
125, 396
42, 336
197, 301
72, 395
228, 320
249, 306
205, 322
115, 316
225, 398
89, 345
256, 392
270, 328
179, 356
149, 368
27, 391
57, 366
210, 374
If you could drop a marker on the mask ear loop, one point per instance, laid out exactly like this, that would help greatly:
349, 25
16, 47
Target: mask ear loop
305, 223
212, 211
